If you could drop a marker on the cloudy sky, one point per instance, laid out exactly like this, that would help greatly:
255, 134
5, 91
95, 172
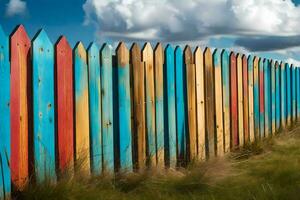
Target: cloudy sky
269, 28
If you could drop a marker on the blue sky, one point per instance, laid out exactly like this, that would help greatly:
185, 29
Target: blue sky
269, 28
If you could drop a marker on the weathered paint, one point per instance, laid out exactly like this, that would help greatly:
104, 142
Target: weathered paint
293, 74
246, 99
298, 91
234, 101
147, 55
250, 98
218, 102
261, 99
64, 105
226, 98
200, 104
159, 103
278, 96
240, 99
43, 108
124, 110
82, 137
170, 117
273, 97
20, 91
209, 103
5, 179
267, 102
256, 96
288, 94
283, 94
95, 109
107, 108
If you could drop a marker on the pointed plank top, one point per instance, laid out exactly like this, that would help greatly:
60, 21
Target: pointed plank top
217, 57
93, 48
198, 50
276, 64
169, 49
239, 56
207, 51
147, 52
158, 52
19, 35
106, 50
250, 58
62, 44
287, 65
41, 38
188, 55
232, 55
80, 50
122, 54
244, 57
225, 53
256, 59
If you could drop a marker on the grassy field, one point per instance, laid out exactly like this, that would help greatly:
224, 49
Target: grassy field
265, 170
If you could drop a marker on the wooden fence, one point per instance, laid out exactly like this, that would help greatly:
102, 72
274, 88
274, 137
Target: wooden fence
93, 111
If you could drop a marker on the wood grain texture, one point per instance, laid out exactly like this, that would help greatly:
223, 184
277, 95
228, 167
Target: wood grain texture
209, 103
256, 96
288, 95
107, 108
191, 109
5, 150
200, 103
226, 99
251, 98
148, 59
64, 105
246, 99
298, 91
170, 108
278, 96
240, 99
139, 132
273, 97
283, 94
159, 103
181, 123
261, 99
20, 91
43, 108
293, 83
124, 110
234, 101
93, 59
267, 95
218, 102
82, 129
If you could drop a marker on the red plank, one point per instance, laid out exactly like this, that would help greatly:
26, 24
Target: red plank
20, 105
234, 101
64, 103
246, 105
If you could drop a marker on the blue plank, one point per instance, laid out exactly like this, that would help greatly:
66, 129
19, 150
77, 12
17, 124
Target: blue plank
293, 73
107, 108
95, 109
256, 97
277, 96
288, 94
124, 111
298, 91
180, 104
283, 94
5, 179
170, 107
43, 108
267, 89
273, 97
261, 99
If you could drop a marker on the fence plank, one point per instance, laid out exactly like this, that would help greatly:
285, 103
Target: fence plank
246, 99
170, 123
288, 94
95, 108
226, 98
298, 91
209, 103
20, 118
234, 101
273, 97
107, 108
293, 74
267, 102
256, 96
190, 80
5, 149
261, 99
124, 111
283, 95
150, 103
200, 103
218, 102
82, 137
43, 108
159, 103
240, 99
250, 98
278, 96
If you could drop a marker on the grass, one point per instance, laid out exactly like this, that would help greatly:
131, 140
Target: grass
268, 169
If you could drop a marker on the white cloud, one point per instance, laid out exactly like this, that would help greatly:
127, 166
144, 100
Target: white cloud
15, 7
178, 20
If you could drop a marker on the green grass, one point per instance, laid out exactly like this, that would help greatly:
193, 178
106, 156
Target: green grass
268, 169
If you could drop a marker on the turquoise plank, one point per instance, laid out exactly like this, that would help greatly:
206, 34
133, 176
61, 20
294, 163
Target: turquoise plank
267, 90
256, 103
124, 111
273, 96
95, 109
43, 108
293, 73
5, 179
107, 108
277, 96
261, 99
283, 94
288, 93
170, 107
180, 104
298, 91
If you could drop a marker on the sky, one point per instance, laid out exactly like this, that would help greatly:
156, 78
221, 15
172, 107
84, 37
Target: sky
268, 28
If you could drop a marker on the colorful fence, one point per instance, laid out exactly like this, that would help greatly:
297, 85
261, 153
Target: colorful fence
64, 110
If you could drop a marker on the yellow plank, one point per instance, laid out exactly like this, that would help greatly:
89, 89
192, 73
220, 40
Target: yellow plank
240, 99
250, 93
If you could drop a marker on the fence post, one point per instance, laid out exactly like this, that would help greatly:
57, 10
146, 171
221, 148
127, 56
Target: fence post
293, 71
267, 103
246, 99
256, 96
298, 91
288, 94
273, 97
5, 148
251, 98
234, 101
283, 95
43, 108
261, 99
240, 99
278, 96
